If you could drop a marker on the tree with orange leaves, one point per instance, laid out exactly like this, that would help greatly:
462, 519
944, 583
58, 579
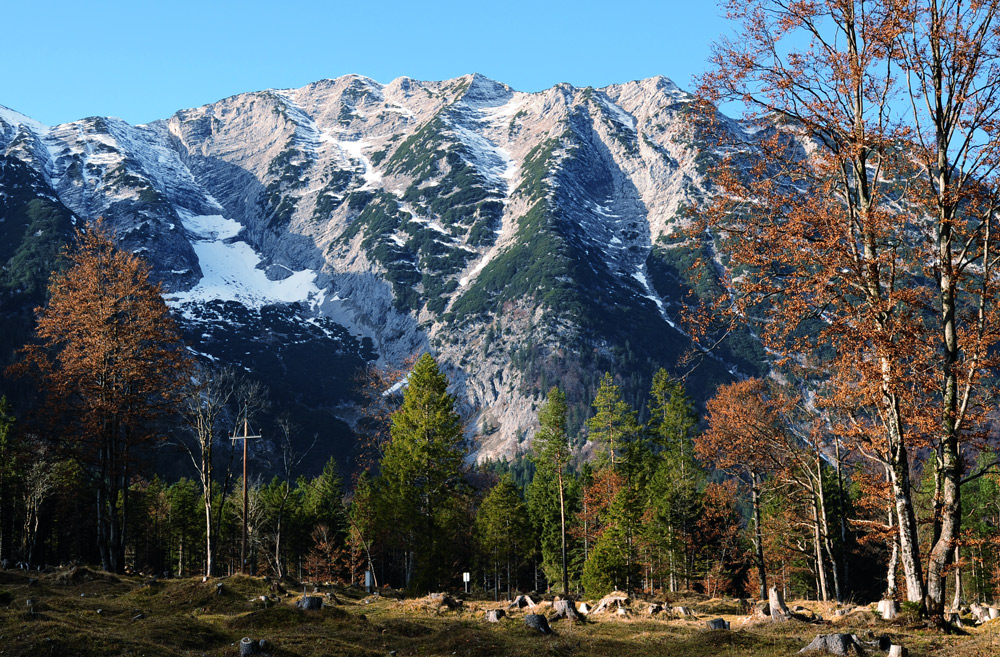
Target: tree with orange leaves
108, 359
741, 427
863, 228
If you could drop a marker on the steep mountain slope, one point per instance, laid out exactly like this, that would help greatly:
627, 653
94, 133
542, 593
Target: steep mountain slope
529, 239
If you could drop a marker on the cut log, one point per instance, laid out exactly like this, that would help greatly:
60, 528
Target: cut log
494, 615
310, 602
538, 622
888, 609
779, 612
717, 624
835, 644
898, 651
565, 609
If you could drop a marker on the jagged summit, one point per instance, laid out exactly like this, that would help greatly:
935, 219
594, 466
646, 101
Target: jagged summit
529, 239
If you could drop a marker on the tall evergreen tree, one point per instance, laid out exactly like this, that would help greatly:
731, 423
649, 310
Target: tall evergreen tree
421, 475
553, 452
503, 530
614, 423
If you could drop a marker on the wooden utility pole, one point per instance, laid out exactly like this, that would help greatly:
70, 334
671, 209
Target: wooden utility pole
243, 545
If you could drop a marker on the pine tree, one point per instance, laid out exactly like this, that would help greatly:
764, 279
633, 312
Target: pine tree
421, 475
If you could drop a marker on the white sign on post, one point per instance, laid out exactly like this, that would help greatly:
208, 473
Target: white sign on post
466, 577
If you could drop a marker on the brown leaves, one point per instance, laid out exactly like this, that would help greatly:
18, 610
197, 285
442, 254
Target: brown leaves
108, 354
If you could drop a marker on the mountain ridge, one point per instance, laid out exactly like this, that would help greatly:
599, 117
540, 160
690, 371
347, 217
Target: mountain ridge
529, 239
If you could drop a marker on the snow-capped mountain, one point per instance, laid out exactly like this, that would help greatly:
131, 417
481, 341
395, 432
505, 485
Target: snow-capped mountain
529, 239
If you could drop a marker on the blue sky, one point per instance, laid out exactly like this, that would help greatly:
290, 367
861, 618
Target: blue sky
144, 60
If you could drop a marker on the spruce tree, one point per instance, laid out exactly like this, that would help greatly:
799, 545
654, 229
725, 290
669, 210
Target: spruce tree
614, 422
503, 530
553, 453
421, 474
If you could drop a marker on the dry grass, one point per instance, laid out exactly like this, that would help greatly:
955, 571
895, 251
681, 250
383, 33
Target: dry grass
188, 617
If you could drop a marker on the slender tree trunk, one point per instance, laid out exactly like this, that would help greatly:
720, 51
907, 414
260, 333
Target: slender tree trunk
821, 589
956, 602
909, 547
562, 532
758, 538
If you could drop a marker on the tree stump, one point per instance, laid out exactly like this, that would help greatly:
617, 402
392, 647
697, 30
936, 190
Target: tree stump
538, 622
522, 601
779, 612
584, 608
494, 615
682, 611
898, 651
835, 644
717, 624
310, 602
954, 619
654, 608
248, 647
889, 609
612, 600
565, 609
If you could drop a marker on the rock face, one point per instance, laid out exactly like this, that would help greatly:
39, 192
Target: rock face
460, 216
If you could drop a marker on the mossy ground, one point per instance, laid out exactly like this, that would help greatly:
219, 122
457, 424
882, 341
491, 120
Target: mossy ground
188, 617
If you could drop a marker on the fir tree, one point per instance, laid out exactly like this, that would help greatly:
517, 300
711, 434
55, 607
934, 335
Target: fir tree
421, 474
503, 529
553, 453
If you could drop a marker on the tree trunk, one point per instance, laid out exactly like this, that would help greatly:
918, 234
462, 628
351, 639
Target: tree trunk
758, 538
562, 531
821, 590
909, 547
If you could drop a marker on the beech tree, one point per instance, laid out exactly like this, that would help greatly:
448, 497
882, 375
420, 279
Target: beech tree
863, 225
108, 358
741, 424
